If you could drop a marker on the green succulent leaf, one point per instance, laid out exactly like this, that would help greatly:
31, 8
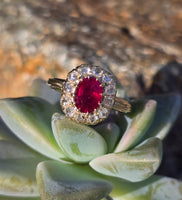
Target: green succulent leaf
40, 88
5, 133
168, 107
17, 169
154, 188
70, 181
139, 120
29, 118
80, 143
110, 132
134, 165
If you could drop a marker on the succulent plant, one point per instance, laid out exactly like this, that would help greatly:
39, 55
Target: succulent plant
115, 159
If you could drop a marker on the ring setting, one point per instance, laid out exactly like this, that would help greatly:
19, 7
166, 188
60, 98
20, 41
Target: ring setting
88, 94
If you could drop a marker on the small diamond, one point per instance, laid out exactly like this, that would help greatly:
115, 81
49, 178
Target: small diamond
65, 101
108, 102
99, 79
68, 86
92, 118
113, 83
97, 71
103, 113
80, 117
110, 90
70, 111
107, 79
73, 76
84, 70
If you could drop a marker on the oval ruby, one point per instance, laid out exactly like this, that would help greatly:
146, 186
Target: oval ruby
88, 95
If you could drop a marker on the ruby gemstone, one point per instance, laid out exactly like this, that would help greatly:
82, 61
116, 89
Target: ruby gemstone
88, 95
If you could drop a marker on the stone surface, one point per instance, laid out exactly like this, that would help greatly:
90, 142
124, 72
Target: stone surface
47, 38
136, 38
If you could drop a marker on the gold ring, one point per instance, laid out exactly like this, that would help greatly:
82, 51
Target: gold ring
88, 94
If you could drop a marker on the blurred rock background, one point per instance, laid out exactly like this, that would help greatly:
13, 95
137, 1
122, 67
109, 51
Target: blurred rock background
141, 41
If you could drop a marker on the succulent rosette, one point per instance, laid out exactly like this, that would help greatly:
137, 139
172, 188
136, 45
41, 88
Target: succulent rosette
44, 155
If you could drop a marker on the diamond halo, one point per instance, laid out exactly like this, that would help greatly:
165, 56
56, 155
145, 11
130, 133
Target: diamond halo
77, 76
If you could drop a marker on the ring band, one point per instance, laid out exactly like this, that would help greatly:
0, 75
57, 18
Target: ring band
88, 94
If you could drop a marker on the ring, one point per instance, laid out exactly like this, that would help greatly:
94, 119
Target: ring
88, 94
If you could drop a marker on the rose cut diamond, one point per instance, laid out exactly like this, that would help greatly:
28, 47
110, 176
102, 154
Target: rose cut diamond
103, 113
70, 111
73, 76
93, 118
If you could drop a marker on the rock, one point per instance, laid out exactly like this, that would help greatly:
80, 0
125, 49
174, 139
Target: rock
47, 38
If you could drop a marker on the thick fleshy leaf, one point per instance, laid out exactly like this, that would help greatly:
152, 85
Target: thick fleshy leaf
80, 143
134, 165
6, 133
168, 107
121, 121
139, 121
70, 181
110, 132
17, 169
154, 188
29, 118
39, 88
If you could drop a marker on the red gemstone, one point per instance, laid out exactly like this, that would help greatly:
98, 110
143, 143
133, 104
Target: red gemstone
88, 95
